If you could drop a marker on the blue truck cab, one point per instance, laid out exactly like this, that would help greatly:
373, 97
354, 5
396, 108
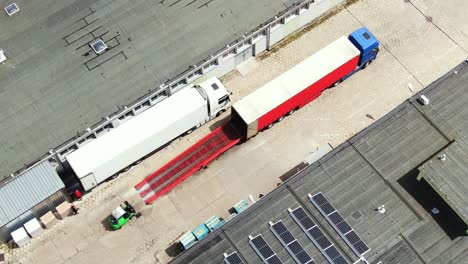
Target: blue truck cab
367, 44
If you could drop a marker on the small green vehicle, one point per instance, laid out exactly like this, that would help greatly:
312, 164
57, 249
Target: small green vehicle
121, 215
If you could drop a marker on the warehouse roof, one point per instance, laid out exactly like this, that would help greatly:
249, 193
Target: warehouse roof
26, 190
53, 85
379, 166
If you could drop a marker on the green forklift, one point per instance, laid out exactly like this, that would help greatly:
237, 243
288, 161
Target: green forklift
121, 215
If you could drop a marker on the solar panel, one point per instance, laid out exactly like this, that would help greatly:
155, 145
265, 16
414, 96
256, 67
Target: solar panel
340, 225
319, 198
290, 243
332, 252
323, 242
315, 232
316, 236
287, 237
259, 242
233, 258
263, 250
344, 227
274, 260
307, 222
340, 260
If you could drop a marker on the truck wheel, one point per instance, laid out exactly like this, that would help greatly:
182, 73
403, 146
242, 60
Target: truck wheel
366, 64
269, 126
189, 132
337, 83
291, 112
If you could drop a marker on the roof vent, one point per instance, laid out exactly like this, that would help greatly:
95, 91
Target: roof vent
11, 9
443, 157
2, 56
98, 46
424, 99
381, 209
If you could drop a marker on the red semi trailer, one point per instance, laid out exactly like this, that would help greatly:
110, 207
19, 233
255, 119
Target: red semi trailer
267, 105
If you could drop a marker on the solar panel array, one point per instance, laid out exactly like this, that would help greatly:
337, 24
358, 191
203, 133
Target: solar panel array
233, 258
339, 224
314, 233
290, 243
263, 250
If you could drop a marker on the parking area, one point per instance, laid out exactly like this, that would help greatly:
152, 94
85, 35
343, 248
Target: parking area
421, 40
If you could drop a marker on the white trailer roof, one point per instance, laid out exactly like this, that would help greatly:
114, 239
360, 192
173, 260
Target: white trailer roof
296, 79
86, 159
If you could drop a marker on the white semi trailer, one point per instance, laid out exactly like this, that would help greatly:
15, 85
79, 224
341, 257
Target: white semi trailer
112, 152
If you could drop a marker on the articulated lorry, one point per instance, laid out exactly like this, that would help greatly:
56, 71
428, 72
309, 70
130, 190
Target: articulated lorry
268, 105
128, 143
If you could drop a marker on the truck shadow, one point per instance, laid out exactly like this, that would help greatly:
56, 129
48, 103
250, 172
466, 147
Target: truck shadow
219, 122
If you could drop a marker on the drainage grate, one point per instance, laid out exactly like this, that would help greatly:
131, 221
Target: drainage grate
356, 215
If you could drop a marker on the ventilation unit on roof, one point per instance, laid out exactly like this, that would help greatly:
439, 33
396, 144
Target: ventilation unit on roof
2, 56
98, 46
11, 9
424, 99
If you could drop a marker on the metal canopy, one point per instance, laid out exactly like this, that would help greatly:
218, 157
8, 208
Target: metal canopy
27, 190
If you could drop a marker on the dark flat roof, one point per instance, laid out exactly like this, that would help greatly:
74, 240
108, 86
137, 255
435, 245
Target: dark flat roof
449, 177
53, 84
377, 166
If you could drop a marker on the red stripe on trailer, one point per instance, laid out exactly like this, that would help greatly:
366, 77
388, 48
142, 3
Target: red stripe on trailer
188, 162
307, 95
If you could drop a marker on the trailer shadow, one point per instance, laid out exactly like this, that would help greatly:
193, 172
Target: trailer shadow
219, 123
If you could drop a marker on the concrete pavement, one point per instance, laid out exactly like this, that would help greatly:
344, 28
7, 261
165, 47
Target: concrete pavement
414, 53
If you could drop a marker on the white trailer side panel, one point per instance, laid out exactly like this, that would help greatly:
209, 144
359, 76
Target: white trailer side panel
296, 79
120, 147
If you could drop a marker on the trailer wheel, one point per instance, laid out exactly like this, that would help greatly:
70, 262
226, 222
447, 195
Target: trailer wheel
189, 131
138, 161
281, 119
337, 83
269, 126
291, 112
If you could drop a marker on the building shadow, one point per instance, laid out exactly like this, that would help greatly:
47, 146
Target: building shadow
428, 198
292, 171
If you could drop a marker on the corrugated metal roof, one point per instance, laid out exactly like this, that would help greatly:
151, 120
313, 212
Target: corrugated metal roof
26, 190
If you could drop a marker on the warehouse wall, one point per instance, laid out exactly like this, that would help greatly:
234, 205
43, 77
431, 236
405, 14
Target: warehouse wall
36, 212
